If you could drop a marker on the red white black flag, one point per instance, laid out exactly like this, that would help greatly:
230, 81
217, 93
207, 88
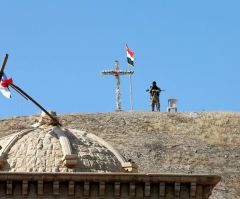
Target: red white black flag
130, 56
4, 86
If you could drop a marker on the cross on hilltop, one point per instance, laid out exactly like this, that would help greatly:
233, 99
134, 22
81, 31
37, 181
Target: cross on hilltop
116, 72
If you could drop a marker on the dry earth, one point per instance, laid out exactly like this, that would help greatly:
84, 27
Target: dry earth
199, 143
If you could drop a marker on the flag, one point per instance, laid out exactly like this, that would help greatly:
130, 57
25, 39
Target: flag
4, 86
130, 56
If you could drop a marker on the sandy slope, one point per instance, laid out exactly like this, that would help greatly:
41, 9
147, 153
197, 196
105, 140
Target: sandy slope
165, 142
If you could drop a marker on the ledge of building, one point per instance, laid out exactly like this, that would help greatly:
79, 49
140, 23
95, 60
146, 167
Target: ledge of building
54, 185
114, 176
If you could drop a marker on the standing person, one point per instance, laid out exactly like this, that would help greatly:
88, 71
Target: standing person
154, 94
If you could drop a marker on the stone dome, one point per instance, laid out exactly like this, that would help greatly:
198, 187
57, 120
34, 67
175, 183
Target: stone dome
54, 149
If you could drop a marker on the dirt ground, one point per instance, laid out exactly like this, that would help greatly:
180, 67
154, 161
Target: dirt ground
193, 143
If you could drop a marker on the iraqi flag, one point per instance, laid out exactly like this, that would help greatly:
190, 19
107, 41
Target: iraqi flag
4, 86
130, 56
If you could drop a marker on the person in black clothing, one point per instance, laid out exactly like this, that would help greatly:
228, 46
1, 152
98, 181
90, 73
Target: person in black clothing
154, 94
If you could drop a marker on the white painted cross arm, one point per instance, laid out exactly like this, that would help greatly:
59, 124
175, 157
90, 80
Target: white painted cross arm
116, 72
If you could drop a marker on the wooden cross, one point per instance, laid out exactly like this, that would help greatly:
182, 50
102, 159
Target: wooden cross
116, 72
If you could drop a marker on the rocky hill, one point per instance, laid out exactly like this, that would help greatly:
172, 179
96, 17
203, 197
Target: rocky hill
192, 143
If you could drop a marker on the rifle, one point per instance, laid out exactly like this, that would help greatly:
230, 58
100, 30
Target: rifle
154, 90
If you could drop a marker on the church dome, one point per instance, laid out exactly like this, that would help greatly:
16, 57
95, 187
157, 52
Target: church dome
54, 149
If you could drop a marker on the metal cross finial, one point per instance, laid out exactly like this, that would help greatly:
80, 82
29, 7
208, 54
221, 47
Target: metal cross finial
116, 72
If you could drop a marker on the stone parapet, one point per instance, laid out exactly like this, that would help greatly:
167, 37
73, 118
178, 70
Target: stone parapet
106, 185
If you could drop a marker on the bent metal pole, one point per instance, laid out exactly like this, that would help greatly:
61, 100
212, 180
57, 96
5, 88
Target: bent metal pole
131, 100
25, 95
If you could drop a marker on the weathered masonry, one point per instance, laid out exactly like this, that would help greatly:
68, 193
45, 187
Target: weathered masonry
106, 185
52, 162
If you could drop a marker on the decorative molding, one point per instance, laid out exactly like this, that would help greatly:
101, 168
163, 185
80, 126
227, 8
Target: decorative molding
40, 187
147, 189
56, 188
117, 189
162, 189
177, 189
130, 167
132, 189
70, 159
9, 187
193, 190
71, 188
86, 189
199, 194
110, 184
24, 187
102, 188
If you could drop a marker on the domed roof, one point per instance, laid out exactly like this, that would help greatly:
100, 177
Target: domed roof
54, 149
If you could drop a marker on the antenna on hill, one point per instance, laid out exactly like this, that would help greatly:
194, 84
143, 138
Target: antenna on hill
23, 93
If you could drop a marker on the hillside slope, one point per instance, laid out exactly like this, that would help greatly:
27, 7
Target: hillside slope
202, 143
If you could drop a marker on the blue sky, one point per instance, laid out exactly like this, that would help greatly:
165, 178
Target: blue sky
58, 48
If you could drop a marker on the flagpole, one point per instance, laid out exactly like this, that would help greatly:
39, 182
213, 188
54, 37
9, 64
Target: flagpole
131, 101
130, 60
